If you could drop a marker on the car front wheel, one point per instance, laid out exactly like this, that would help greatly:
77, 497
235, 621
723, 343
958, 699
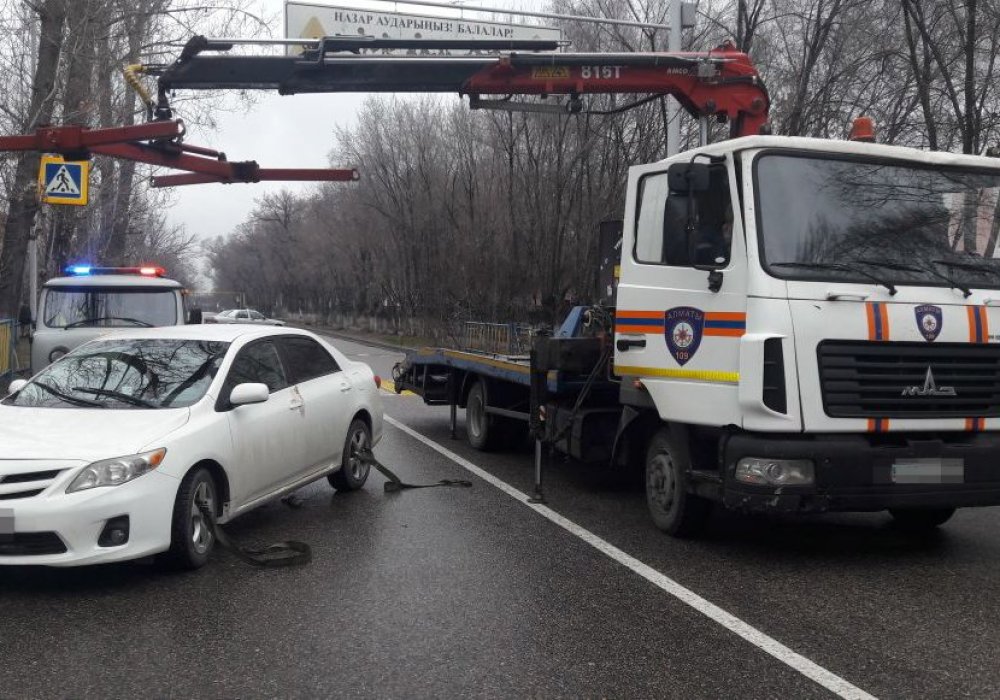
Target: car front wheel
353, 472
191, 537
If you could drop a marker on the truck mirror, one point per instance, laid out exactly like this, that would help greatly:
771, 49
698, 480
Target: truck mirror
194, 317
688, 177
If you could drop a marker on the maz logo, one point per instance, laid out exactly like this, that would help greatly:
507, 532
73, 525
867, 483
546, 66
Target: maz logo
929, 388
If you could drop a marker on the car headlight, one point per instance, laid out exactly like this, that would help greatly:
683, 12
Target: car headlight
117, 471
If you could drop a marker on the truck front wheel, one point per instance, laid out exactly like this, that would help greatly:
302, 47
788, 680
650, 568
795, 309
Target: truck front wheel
674, 510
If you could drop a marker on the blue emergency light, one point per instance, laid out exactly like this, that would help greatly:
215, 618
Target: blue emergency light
145, 270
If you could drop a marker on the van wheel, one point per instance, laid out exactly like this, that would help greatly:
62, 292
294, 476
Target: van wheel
673, 509
480, 427
191, 537
921, 518
353, 472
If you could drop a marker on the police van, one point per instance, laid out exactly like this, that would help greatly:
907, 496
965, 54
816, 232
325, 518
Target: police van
89, 301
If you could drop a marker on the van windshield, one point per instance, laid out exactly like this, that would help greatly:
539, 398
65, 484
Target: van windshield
853, 220
116, 308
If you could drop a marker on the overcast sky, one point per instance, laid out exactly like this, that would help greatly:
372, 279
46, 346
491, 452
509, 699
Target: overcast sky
293, 131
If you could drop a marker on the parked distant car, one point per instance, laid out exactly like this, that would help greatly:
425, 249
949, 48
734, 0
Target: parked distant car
106, 454
244, 316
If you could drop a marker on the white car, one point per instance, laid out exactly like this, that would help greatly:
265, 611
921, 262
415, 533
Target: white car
105, 455
245, 316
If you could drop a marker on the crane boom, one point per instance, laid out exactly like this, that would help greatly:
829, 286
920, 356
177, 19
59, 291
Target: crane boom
722, 82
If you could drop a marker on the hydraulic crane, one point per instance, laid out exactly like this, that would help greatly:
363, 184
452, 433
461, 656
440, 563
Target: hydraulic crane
721, 83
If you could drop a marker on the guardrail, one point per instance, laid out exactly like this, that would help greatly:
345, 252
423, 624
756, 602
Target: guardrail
8, 352
497, 338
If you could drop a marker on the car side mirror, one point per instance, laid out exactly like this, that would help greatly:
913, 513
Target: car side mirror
17, 385
194, 317
250, 392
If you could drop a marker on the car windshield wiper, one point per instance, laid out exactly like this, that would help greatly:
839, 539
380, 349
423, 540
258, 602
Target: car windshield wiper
890, 265
134, 400
89, 321
840, 268
66, 397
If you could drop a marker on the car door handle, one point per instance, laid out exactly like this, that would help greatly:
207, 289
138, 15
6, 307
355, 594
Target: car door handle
346, 386
624, 344
295, 405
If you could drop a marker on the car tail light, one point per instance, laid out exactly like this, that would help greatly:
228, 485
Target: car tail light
378, 382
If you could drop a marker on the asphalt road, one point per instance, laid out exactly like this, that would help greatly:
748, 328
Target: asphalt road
470, 592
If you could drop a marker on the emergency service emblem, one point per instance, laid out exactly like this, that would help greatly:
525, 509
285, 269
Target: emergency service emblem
929, 320
683, 326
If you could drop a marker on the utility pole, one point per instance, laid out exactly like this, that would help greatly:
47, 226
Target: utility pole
36, 229
682, 15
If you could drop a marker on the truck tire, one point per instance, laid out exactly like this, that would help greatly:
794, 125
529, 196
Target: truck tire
917, 519
480, 427
673, 509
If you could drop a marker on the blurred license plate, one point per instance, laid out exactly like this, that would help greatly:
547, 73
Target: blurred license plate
928, 470
6, 523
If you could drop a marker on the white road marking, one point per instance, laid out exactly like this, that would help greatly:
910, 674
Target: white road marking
762, 641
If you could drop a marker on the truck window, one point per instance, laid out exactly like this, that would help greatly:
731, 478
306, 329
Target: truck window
909, 223
113, 308
661, 236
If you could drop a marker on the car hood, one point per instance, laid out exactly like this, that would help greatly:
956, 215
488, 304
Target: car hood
82, 433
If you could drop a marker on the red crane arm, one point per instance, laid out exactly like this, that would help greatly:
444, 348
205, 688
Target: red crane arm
722, 83
159, 143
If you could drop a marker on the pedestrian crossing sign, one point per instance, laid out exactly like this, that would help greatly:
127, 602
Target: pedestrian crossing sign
63, 182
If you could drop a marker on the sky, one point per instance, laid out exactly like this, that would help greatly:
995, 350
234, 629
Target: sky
294, 131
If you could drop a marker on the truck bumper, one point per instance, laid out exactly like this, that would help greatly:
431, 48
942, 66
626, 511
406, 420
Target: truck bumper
855, 472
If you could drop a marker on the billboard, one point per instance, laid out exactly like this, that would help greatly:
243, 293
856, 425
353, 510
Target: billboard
316, 21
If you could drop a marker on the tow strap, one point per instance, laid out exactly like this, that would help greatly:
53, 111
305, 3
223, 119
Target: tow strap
292, 552
395, 484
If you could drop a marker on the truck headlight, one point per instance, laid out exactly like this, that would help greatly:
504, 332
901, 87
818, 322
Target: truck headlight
775, 472
117, 471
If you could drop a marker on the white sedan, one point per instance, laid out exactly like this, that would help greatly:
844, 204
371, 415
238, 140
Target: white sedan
106, 454
244, 316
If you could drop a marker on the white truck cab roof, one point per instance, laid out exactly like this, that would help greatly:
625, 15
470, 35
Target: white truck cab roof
877, 150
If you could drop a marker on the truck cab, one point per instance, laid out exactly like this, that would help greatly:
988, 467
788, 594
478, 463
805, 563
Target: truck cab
90, 301
809, 321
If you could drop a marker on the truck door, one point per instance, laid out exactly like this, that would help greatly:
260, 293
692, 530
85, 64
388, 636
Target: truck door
682, 296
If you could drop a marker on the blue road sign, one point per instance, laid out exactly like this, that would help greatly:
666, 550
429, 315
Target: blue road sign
63, 182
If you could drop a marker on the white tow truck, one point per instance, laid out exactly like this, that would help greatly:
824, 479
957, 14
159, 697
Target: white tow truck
801, 325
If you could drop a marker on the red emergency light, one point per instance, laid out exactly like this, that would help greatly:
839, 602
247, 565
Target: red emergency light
86, 270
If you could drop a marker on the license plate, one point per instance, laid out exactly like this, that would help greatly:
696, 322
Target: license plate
928, 470
6, 524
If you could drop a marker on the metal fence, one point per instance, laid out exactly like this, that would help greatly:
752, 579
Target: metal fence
8, 352
497, 338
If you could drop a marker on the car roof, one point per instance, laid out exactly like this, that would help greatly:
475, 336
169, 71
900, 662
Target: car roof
224, 332
113, 281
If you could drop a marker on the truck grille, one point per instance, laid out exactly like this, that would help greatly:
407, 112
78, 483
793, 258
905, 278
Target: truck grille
890, 380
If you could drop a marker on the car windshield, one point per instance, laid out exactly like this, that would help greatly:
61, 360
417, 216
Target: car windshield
126, 373
123, 308
844, 219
